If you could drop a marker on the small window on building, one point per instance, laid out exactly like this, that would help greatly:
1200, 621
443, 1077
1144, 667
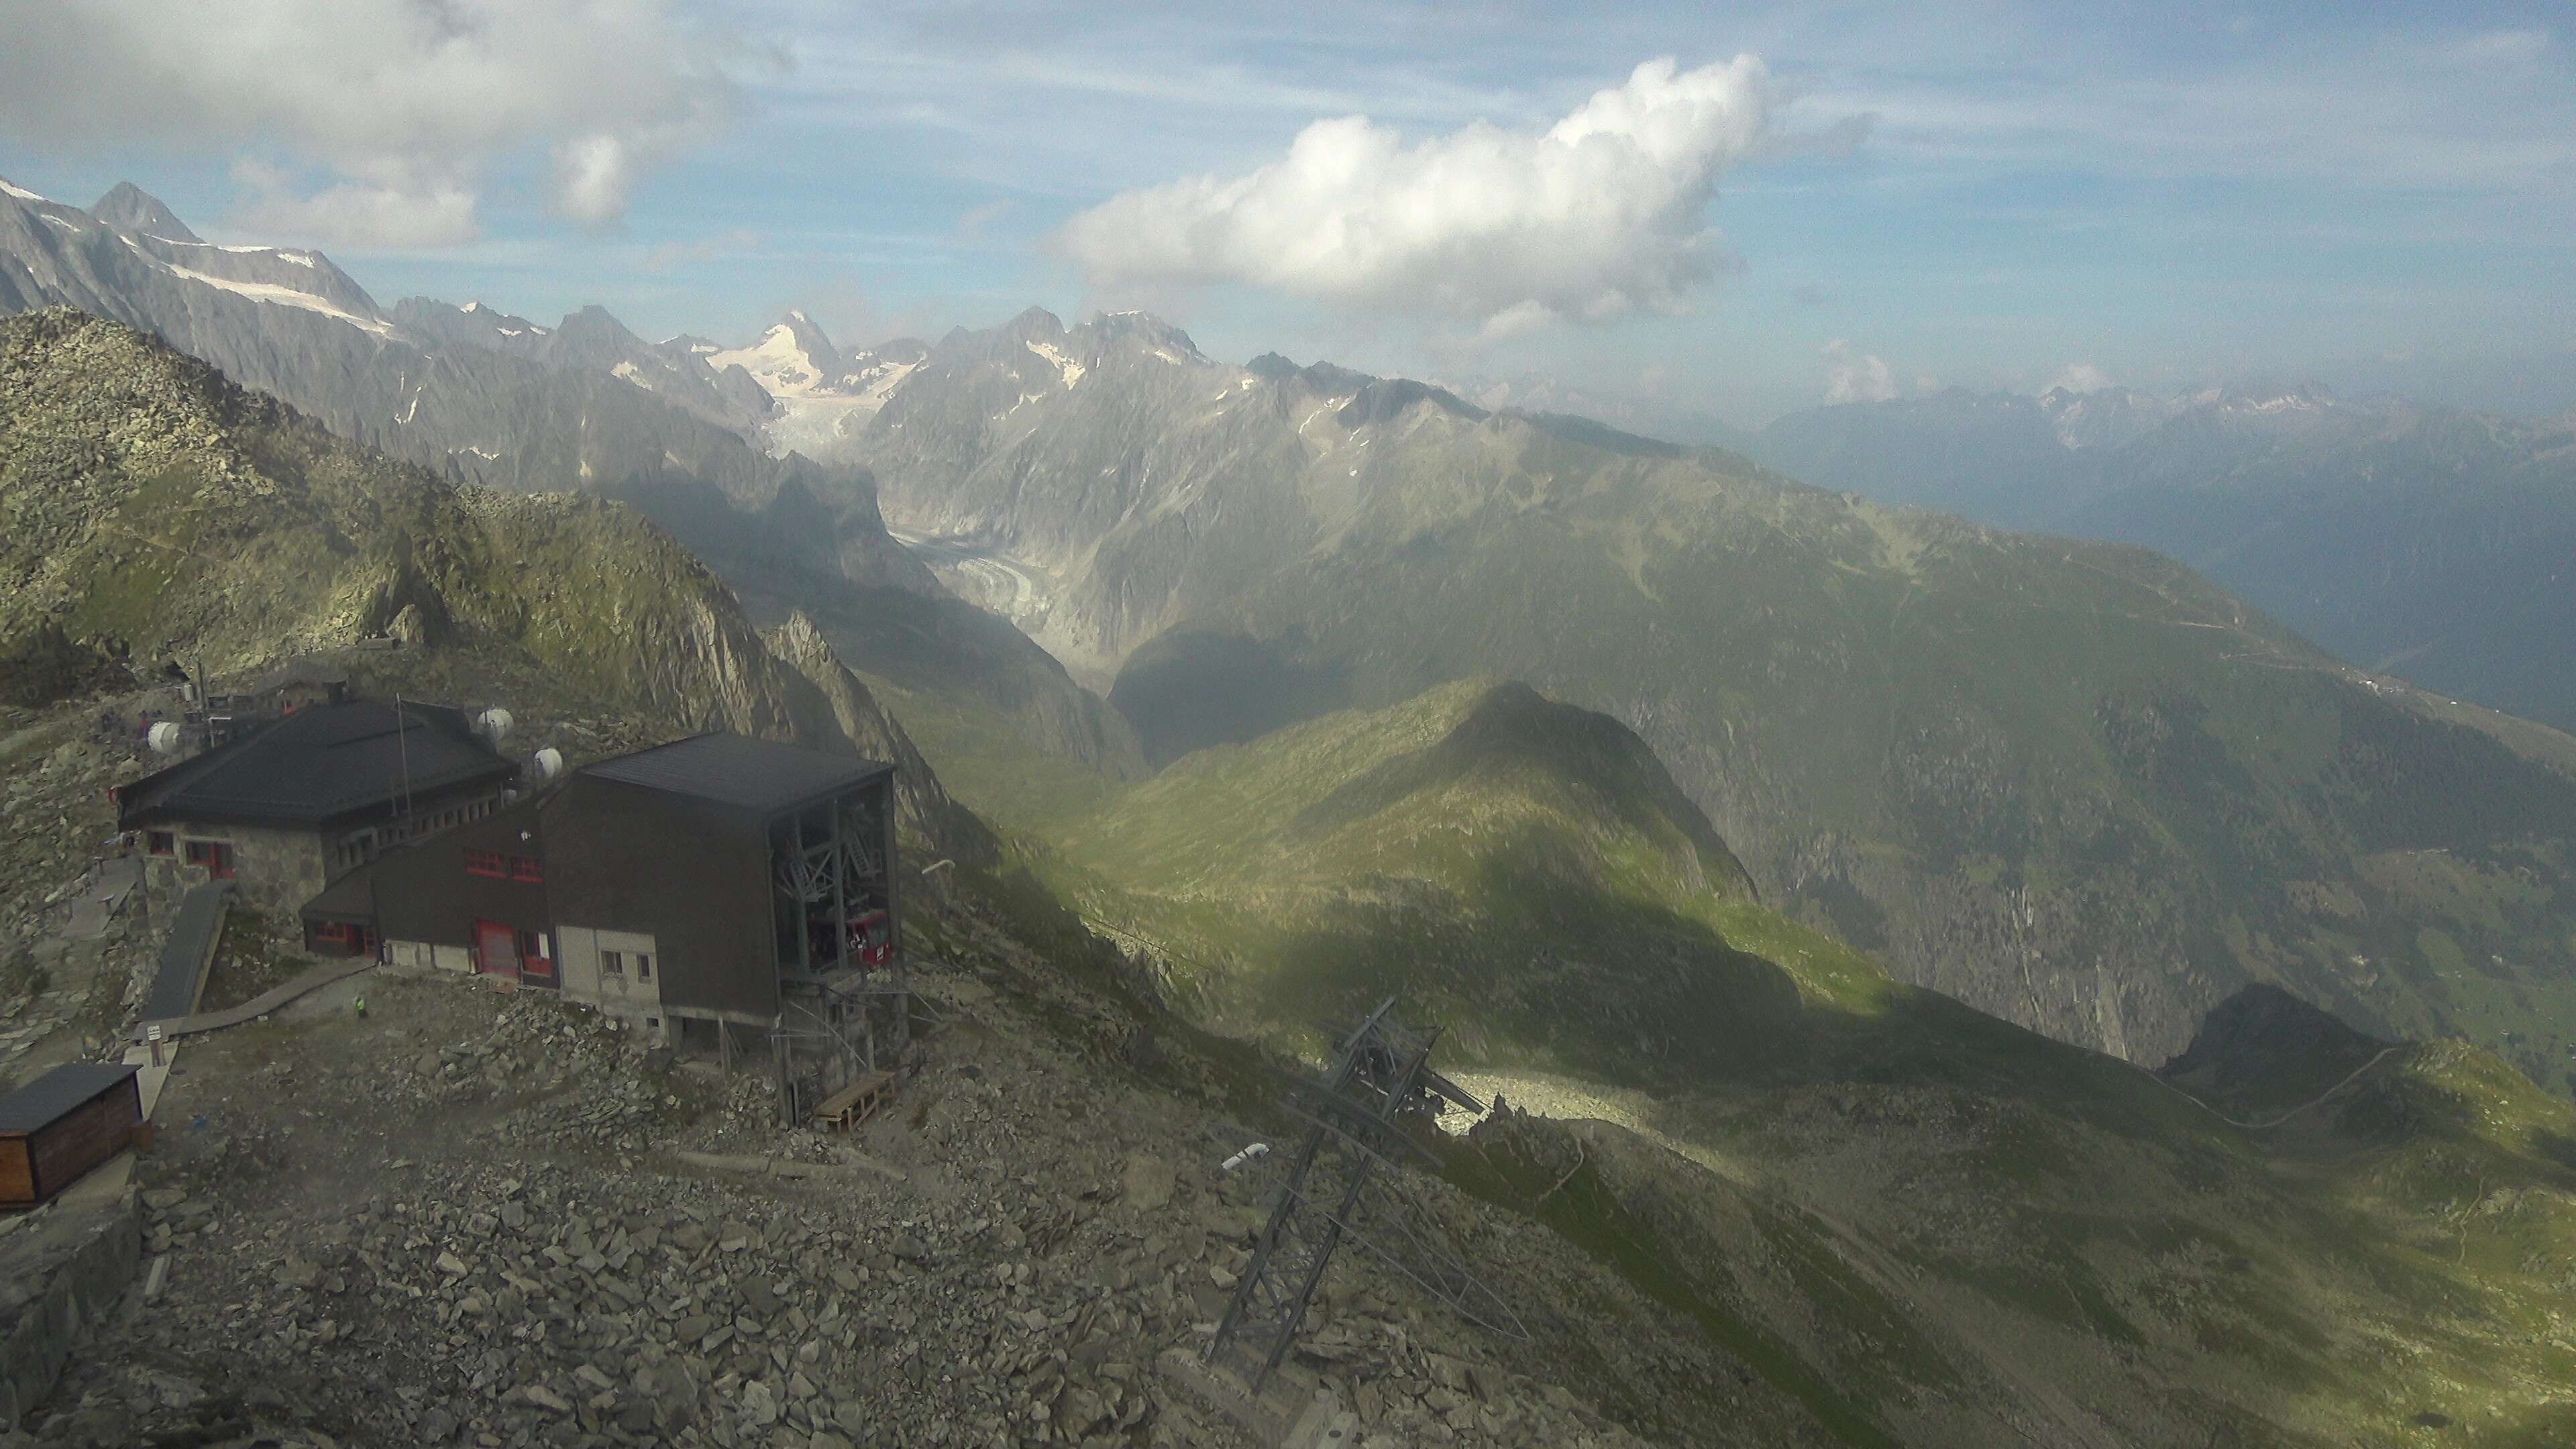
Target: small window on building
486, 863
215, 855
527, 868
161, 842
532, 945
643, 968
612, 963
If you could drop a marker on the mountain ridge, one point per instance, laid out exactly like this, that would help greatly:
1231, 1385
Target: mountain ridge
2071, 783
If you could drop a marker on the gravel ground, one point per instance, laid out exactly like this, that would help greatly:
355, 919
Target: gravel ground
463, 1220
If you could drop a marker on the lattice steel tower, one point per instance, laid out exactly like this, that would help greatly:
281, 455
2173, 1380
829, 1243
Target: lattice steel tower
1342, 1184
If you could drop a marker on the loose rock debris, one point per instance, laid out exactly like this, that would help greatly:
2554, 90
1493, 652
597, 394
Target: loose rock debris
468, 1219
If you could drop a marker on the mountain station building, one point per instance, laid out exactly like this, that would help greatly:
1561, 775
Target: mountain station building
291, 803
721, 893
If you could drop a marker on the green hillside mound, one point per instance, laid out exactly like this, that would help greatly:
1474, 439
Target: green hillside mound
1525, 871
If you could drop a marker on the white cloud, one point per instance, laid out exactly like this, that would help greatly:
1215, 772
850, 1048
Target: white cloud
1600, 216
398, 211
1852, 376
401, 106
2079, 377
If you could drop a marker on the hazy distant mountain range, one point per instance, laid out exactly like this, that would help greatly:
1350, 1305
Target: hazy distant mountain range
2423, 541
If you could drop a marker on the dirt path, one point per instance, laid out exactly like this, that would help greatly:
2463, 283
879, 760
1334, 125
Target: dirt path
2349, 1079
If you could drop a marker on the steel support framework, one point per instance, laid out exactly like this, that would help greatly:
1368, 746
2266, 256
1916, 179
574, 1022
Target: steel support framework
1340, 1184
821, 879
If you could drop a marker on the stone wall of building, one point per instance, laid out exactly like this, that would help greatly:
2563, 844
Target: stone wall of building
276, 871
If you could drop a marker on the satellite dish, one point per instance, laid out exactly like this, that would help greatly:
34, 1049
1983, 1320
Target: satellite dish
494, 723
546, 764
163, 737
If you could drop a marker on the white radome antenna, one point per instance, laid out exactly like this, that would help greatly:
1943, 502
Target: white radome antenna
546, 764
163, 737
494, 724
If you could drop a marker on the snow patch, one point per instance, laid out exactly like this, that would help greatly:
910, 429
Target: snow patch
776, 362
62, 222
883, 388
1071, 370
20, 192
281, 296
481, 453
301, 259
631, 373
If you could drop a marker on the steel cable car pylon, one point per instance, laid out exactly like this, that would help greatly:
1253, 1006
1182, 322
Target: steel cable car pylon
1335, 1189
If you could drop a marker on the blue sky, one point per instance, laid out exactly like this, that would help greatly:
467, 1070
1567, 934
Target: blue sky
1982, 194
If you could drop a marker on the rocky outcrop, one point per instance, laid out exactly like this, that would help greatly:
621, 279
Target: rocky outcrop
922, 805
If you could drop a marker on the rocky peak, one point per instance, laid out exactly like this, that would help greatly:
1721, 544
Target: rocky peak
1142, 327
128, 207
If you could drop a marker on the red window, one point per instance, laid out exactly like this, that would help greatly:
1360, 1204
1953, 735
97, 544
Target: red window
161, 842
214, 855
527, 868
486, 863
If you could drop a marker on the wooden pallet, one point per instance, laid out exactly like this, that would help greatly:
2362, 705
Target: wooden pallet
853, 1104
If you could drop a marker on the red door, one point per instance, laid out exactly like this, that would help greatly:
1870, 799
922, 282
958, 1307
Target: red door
496, 949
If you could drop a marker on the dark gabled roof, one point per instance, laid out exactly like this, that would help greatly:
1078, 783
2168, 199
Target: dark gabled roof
43, 1101
320, 764
737, 770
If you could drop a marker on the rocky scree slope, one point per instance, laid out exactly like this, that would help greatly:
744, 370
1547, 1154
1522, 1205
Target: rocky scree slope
149, 506
516, 1248
2070, 783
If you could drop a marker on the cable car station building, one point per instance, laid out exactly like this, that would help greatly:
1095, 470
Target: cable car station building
724, 894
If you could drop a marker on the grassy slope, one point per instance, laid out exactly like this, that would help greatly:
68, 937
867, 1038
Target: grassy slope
1908, 1214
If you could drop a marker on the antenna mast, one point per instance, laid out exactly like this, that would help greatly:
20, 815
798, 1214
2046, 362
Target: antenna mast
402, 750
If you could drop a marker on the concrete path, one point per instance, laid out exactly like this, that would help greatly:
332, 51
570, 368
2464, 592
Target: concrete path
266, 1002
149, 1079
91, 909
187, 954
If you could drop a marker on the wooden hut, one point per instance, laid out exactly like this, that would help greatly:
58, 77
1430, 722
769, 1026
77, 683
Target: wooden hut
55, 1129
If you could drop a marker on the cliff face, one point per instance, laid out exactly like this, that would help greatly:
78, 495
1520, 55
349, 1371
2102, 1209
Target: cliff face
923, 805
151, 507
